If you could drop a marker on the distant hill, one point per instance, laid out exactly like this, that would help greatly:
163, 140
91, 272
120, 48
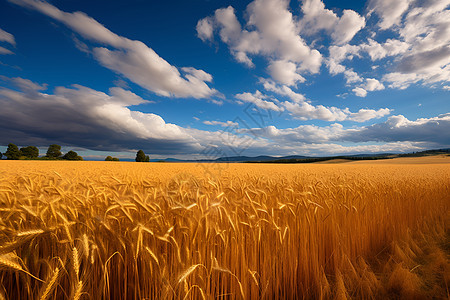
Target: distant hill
357, 157
308, 159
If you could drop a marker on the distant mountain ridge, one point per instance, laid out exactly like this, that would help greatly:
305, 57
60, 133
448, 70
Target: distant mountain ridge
306, 159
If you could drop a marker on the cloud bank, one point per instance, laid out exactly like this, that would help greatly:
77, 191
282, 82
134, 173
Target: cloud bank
83, 117
130, 58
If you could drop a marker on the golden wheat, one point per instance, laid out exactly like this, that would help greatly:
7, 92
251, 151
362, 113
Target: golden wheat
254, 231
50, 285
78, 291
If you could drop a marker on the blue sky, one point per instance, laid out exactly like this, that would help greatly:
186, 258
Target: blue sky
208, 78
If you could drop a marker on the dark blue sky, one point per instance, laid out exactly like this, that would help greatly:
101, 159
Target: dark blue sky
191, 78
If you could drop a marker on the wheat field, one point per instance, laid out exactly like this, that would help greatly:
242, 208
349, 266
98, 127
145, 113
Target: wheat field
118, 230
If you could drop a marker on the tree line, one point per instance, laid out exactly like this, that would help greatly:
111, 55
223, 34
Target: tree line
32, 152
140, 157
13, 152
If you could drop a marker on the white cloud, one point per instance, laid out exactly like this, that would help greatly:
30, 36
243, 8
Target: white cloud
5, 51
360, 92
257, 99
87, 118
341, 53
373, 85
401, 80
426, 28
306, 111
316, 17
337, 55
301, 134
300, 109
349, 24
342, 29
335, 68
271, 31
390, 12
285, 72
370, 85
391, 47
399, 128
219, 123
205, 29
282, 90
7, 37
25, 84
396, 131
364, 115
133, 59
351, 76
417, 48
102, 121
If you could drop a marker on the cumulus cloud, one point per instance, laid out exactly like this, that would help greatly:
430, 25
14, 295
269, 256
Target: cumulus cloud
418, 47
257, 100
360, 92
300, 109
342, 29
219, 123
283, 90
91, 119
371, 84
396, 130
391, 47
349, 24
133, 59
25, 85
426, 29
303, 134
205, 29
334, 62
270, 31
87, 118
390, 12
399, 129
83, 117
285, 72
306, 111
364, 114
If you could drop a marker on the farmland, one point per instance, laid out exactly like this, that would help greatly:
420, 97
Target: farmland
99, 230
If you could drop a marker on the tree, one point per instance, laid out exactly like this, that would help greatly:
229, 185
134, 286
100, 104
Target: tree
140, 156
147, 158
30, 152
110, 158
1, 155
72, 155
54, 151
12, 152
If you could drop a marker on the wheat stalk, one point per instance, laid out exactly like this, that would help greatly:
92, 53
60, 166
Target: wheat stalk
30, 232
78, 291
50, 284
76, 263
8, 261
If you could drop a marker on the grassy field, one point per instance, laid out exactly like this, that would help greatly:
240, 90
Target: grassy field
117, 230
